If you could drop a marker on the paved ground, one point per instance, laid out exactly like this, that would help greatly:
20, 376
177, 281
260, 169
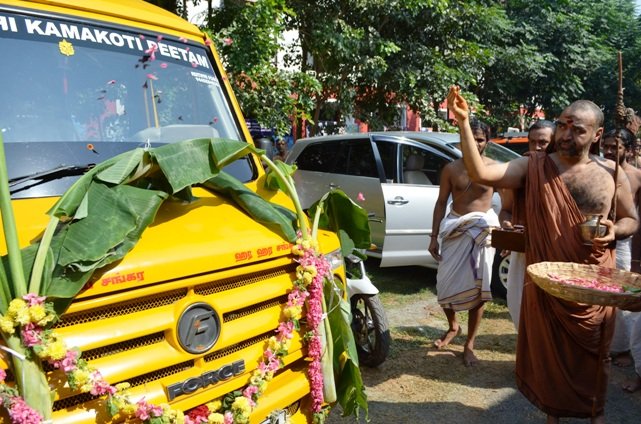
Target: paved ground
419, 384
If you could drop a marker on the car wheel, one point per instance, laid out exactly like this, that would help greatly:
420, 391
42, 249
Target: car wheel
499, 275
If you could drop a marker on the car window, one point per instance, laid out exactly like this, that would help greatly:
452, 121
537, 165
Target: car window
355, 157
387, 152
499, 153
417, 159
319, 157
495, 151
519, 148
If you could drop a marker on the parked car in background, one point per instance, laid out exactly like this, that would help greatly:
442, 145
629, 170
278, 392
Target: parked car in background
513, 140
395, 175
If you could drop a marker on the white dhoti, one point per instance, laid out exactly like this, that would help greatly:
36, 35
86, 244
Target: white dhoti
515, 281
626, 337
622, 340
465, 272
635, 343
624, 254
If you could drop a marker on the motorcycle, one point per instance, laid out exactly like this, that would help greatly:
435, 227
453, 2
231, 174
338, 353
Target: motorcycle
369, 322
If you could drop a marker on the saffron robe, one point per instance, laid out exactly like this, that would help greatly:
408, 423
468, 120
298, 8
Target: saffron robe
464, 274
562, 363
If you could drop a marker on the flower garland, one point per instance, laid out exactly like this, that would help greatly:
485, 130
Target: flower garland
32, 316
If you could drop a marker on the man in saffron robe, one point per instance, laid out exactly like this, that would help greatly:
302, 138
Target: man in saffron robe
562, 362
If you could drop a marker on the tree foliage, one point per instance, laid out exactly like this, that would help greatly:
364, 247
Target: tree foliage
373, 56
557, 52
247, 35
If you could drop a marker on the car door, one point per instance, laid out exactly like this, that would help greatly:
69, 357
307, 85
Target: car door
349, 164
409, 206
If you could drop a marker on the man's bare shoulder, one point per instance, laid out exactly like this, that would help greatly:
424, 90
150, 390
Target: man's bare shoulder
456, 165
602, 163
634, 177
633, 173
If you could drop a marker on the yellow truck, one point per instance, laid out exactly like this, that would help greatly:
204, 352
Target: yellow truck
84, 81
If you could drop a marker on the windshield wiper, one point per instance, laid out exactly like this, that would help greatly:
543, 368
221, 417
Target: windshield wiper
51, 174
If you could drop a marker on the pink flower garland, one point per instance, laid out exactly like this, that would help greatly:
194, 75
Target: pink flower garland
32, 315
310, 260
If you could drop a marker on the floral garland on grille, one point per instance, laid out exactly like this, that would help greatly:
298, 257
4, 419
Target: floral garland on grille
31, 315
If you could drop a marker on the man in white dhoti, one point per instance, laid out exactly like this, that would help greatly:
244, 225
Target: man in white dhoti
463, 280
461, 244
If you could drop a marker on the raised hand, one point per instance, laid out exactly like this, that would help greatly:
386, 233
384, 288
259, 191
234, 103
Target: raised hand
457, 104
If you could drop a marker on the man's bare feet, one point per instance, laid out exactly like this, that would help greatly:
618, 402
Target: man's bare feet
623, 359
447, 337
469, 358
632, 385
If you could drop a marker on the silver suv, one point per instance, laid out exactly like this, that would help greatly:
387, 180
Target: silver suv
395, 175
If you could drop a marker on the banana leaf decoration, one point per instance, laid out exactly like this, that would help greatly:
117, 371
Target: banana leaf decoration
124, 194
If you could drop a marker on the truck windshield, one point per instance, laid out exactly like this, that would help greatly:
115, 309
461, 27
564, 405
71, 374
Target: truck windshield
73, 93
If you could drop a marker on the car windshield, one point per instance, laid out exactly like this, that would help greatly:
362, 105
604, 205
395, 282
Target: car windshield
72, 94
495, 151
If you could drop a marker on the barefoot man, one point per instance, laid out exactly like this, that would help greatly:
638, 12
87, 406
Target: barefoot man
626, 343
562, 363
465, 255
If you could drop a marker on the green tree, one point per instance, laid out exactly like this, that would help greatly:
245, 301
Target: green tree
247, 35
556, 52
373, 56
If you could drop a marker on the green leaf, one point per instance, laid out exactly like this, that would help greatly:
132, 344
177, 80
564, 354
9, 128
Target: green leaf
275, 217
185, 163
347, 244
226, 151
83, 208
5, 290
124, 210
122, 169
272, 182
631, 289
67, 205
339, 212
349, 383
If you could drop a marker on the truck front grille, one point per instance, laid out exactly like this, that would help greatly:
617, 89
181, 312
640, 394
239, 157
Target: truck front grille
131, 336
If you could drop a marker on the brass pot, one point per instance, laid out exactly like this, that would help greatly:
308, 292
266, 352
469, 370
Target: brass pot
592, 227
